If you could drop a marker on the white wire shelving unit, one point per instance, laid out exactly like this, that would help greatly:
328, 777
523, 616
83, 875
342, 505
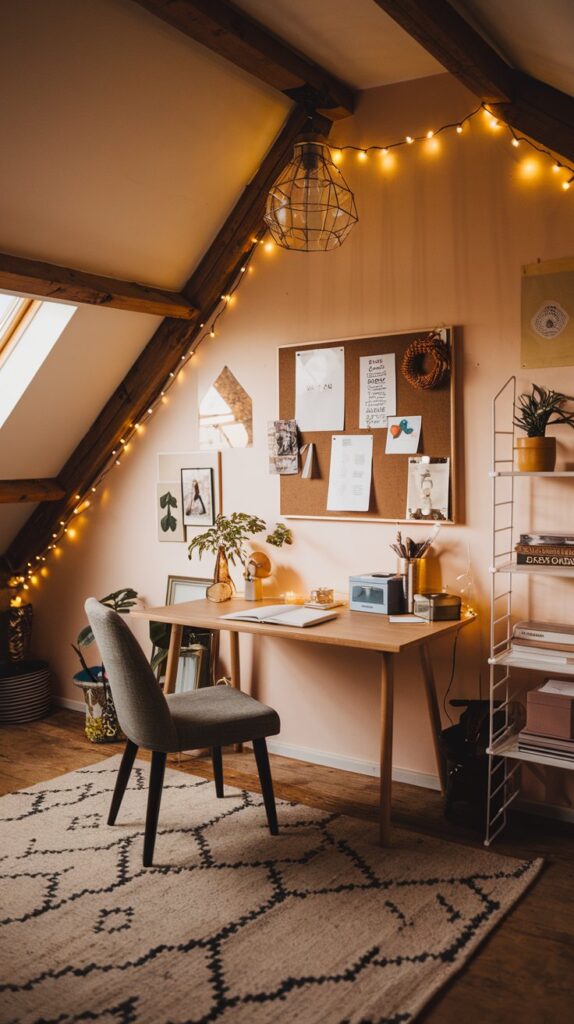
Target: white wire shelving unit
505, 756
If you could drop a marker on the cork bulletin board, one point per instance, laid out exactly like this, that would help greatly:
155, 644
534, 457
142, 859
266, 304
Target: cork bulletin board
307, 499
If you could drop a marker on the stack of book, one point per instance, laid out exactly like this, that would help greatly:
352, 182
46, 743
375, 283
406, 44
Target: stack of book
548, 642
550, 721
545, 549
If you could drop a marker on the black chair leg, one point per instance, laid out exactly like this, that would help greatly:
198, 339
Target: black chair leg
217, 761
158, 759
262, 759
122, 779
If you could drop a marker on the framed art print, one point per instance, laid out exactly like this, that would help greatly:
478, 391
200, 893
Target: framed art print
198, 496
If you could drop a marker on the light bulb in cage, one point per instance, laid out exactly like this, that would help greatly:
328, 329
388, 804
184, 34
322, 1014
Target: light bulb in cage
310, 207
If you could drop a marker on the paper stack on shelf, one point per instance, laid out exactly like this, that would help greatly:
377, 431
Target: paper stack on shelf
550, 720
542, 549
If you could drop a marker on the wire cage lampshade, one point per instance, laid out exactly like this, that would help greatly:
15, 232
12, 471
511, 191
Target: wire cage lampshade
310, 207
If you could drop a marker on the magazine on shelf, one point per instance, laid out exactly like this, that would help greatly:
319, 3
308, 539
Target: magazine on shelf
535, 743
283, 615
547, 632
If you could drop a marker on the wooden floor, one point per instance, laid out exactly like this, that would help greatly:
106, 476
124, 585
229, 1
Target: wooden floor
524, 972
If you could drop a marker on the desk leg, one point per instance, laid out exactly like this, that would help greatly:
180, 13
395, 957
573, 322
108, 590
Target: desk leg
172, 658
434, 712
386, 747
235, 672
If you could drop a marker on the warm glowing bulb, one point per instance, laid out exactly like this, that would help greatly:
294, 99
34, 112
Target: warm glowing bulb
336, 156
71, 533
117, 462
150, 410
212, 333
362, 155
565, 185
243, 269
493, 122
172, 375
459, 129
556, 168
384, 152
26, 587
54, 535
409, 140
114, 452
430, 135
122, 441
515, 142
93, 488
62, 523
78, 496
269, 246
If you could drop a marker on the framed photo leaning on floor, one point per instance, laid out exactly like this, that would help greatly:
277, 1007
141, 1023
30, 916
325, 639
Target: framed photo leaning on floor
198, 647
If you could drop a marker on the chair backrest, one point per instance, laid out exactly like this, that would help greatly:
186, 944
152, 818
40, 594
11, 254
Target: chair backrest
141, 707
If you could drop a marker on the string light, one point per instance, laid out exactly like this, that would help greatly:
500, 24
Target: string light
82, 503
493, 121
210, 330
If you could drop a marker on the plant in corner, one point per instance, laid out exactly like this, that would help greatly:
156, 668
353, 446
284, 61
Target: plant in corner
533, 413
227, 540
102, 725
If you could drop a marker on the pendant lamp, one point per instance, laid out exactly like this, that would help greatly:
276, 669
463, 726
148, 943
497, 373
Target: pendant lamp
310, 207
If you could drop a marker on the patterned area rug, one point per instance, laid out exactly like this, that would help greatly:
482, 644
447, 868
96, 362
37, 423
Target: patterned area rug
232, 925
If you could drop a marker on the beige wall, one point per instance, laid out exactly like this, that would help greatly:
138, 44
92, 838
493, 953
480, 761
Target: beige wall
440, 240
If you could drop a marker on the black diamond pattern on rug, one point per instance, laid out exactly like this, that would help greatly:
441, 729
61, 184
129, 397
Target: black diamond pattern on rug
231, 925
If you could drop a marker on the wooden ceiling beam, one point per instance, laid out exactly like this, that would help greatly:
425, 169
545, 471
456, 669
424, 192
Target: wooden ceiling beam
12, 492
530, 106
33, 277
228, 31
162, 355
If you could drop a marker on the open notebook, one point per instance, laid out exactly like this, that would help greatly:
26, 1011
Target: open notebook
283, 615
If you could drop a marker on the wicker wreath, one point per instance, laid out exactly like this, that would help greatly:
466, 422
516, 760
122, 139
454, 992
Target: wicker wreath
414, 357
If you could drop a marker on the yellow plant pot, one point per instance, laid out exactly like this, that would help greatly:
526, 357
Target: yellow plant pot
536, 454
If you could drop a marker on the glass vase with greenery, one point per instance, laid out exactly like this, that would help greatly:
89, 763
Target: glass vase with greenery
228, 537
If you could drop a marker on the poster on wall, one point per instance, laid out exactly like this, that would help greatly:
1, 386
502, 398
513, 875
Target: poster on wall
427, 488
225, 415
168, 511
320, 389
548, 314
378, 390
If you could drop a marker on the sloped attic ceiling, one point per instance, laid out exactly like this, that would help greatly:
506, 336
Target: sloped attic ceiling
125, 147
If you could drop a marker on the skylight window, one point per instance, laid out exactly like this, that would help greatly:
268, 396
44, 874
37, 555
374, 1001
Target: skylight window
29, 329
15, 313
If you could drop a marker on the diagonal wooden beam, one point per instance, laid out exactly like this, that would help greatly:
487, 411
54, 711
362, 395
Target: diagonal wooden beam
530, 106
142, 384
34, 277
14, 491
232, 34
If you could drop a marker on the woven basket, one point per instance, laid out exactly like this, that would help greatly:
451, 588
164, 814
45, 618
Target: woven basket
24, 691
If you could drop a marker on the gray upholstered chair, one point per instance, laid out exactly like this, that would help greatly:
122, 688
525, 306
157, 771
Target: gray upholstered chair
211, 717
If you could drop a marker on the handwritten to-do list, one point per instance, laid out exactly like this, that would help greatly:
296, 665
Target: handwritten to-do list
378, 396
320, 389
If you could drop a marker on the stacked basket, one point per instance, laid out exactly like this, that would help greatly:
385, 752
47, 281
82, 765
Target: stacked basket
24, 691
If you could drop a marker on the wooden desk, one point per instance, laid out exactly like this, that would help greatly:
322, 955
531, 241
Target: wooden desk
363, 630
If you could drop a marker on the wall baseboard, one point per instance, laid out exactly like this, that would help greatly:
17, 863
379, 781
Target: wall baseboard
71, 705
353, 764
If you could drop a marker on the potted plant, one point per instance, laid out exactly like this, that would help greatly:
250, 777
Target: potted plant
227, 540
102, 724
533, 413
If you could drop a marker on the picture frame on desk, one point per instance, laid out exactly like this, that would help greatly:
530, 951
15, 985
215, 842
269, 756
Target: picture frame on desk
198, 651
